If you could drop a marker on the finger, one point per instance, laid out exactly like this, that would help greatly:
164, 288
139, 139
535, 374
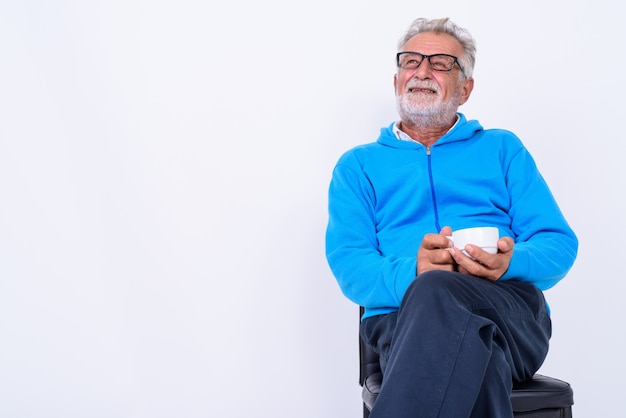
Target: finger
426, 266
435, 242
443, 256
468, 264
505, 244
479, 255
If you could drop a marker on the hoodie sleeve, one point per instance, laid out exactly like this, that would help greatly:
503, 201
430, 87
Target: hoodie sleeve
545, 246
364, 275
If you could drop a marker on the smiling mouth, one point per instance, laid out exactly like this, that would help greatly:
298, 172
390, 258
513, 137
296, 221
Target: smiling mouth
421, 90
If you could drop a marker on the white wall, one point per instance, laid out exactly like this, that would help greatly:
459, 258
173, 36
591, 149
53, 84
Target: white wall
163, 176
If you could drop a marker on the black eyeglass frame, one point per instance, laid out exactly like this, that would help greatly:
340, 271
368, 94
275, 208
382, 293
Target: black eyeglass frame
427, 58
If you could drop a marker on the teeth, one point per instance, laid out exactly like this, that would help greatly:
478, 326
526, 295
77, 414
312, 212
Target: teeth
417, 89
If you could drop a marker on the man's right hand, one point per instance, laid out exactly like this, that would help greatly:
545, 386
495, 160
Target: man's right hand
433, 253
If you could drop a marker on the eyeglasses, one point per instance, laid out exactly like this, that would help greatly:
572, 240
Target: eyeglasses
437, 62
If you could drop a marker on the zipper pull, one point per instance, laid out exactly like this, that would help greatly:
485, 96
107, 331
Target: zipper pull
428, 150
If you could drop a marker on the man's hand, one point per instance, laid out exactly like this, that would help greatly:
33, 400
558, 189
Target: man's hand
488, 266
434, 254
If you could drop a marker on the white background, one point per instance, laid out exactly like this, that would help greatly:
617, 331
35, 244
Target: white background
163, 177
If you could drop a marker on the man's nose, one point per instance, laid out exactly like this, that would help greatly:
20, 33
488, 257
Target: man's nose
423, 70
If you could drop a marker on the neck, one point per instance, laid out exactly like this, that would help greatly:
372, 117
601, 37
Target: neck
426, 133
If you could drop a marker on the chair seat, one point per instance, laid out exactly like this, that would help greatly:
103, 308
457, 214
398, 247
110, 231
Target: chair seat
539, 393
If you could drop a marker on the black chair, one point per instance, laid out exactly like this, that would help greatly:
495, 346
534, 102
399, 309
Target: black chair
540, 397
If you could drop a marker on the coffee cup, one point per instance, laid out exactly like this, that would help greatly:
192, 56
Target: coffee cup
485, 237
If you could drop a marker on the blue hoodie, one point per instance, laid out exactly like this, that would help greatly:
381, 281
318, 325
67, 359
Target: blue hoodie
385, 196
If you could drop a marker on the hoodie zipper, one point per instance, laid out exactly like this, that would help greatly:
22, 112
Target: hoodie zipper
432, 189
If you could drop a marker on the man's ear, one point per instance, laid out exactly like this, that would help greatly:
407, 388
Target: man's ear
466, 90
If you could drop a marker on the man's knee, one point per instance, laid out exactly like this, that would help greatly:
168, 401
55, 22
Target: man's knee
433, 281
448, 289
435, 286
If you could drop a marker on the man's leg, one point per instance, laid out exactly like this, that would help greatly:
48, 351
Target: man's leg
455, 345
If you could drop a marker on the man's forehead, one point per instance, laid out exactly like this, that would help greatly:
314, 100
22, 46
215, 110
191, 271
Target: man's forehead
434, 43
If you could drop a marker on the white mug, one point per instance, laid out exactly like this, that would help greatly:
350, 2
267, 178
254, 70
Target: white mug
485, 237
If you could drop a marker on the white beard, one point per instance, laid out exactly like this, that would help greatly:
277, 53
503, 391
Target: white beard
422, 111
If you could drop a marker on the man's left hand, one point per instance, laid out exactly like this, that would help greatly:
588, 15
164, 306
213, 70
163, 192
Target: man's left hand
488, 266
